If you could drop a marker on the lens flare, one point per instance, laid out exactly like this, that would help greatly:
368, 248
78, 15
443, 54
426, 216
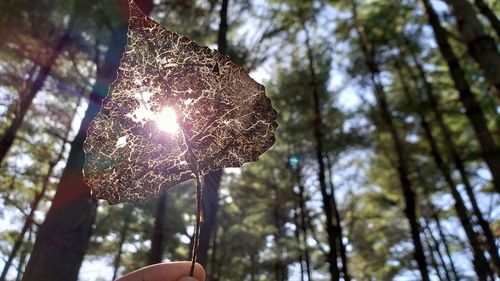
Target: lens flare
166, 120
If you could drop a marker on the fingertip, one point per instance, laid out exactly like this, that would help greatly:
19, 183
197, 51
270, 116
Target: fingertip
188, 279
199, 272
172, 271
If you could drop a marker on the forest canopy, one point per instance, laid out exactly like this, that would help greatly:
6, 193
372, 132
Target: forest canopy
385, 165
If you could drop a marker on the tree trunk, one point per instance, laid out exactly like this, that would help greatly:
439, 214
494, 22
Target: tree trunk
300, 257
29, 220
431, 250
480, 262
457, 160
253, 267
480, 45
63, 237
437, 220
402, 168
211, 182
402, 162
303, 222
22, 258
490, 15
318, 136
223, 26
489, 150
435, 248
127, 210
27, 95
279, 265
158, 236
338, 223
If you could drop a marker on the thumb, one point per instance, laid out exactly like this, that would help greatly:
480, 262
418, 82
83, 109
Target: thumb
188, 278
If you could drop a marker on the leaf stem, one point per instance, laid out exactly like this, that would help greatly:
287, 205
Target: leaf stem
199, 208
199, 215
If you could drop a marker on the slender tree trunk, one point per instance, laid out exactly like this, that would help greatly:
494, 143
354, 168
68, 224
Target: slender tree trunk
480, 45
318, 136
435, 248
22, 258
480, 262
432, 250
29, 220
489, 150
338, 223
63, 237
253, 267
296, 221
457, 160
490, 15
402, 168
303, 222
442, 236
223, 27
27, 95
279, 266
211, 182
158, 236
402, 162
127, 210
300, 257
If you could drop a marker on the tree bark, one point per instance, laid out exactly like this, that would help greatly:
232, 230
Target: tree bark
489, 150
480, 262
402, 157
211, 182
29, 220
223, 26
63, 237
303, 222
490, 15
27, 95
338, 223
158, 236
453, 153
480, 45
318, 136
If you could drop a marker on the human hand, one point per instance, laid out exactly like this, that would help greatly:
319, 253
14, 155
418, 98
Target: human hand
171, 271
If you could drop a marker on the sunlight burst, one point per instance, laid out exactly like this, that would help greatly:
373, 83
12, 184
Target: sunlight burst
166, 120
